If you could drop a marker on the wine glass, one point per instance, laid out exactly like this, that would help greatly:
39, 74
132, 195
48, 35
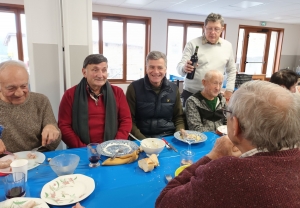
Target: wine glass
189, 139
93, 155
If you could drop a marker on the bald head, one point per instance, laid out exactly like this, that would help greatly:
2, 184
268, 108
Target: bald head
13, 82
212, 73
212, 83
12, 64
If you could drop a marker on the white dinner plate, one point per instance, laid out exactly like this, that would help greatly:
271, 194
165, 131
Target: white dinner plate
67, 189
222, 129
7, 157
22, 201
199, 136
109, 148
32, 163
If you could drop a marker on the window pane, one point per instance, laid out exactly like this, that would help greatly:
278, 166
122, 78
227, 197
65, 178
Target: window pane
174, 50
135, 50
272, 52
8, 38
95, 31
239, 49
113, 48
24, 41
255, 53
193, 32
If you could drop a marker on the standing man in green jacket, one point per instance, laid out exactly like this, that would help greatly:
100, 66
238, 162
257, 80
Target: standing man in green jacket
154, 101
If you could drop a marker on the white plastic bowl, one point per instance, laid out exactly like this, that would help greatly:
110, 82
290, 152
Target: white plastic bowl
64, 164
152, 146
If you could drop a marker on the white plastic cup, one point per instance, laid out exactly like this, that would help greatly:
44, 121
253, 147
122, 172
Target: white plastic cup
20, 165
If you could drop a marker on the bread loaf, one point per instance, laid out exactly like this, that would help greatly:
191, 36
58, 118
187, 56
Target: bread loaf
154, 159
146, 164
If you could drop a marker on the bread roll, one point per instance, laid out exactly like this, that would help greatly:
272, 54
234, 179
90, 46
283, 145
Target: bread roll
5, 164
154, 159
146, 164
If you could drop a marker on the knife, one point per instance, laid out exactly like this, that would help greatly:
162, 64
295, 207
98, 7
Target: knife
169, 145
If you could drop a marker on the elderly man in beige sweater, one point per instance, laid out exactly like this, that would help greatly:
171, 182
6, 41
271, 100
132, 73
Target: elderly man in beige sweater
27, 117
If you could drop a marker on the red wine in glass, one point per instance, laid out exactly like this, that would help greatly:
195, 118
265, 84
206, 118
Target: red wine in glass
94, 159
15, 192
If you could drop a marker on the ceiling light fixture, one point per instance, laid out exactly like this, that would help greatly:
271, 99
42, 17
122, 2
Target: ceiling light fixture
246, 4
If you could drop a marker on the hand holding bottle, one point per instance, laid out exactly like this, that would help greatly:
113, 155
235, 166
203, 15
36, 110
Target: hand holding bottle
188, 67
194, 64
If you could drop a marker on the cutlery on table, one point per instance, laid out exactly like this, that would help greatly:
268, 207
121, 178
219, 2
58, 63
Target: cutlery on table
173, 148
118, 151
6, 153
168, 178
134, 138
137, 139
37, 148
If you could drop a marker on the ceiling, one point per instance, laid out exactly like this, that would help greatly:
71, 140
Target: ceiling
282, 11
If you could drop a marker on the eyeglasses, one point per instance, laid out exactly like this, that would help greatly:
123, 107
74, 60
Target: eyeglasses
210, 29
226, 111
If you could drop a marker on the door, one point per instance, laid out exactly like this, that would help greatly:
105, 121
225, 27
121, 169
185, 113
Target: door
256, 50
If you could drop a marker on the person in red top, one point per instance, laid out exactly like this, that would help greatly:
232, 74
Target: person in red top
263, 124
93, 111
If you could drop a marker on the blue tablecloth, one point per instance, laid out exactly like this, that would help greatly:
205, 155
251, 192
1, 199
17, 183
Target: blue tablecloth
122, 185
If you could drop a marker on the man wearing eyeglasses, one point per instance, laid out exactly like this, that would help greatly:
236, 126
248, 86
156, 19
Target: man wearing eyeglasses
214, 53
256, 165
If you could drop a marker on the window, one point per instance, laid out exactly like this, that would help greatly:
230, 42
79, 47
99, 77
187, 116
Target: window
179, 33
124, 41
259, 50
13, 42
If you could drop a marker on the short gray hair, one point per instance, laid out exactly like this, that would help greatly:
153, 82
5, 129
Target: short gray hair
213, 17
268, 115
9, 63
208, 75
155, 55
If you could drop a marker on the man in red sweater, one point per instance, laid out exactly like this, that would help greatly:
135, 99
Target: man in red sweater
93, 111
263, 123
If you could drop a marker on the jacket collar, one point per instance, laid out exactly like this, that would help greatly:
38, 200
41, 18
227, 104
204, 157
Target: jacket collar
165, 83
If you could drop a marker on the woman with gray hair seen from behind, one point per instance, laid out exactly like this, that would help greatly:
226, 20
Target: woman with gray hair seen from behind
256, 165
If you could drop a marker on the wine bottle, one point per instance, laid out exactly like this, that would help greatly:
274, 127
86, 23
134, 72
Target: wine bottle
194, 60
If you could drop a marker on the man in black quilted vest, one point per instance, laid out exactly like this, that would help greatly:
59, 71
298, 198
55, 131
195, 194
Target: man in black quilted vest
154, 101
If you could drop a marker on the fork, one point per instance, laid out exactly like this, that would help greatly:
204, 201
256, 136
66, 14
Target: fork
35, 149
118, 151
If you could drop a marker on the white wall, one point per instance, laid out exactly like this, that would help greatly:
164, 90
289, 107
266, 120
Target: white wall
21, 2
298, 46
159, 27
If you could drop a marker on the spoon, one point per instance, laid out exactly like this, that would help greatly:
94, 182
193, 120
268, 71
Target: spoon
134, 138
118, 151
168, 178
137, 140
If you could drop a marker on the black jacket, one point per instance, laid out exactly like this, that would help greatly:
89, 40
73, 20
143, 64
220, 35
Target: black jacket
154, 112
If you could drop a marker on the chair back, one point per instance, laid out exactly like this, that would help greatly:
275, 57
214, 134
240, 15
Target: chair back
241, 79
